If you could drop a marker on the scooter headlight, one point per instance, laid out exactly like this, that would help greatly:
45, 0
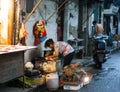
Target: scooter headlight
86, 79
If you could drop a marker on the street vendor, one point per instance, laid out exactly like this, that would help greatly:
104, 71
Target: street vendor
61, 50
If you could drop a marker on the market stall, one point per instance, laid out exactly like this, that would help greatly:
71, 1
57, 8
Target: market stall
55, 77
12, 61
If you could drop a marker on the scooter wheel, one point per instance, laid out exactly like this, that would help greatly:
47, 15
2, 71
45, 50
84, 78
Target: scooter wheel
98, 66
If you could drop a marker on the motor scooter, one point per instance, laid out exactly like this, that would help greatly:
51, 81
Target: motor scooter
99, 50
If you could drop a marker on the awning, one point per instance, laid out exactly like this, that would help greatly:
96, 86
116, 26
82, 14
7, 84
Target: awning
113, 10
108, 12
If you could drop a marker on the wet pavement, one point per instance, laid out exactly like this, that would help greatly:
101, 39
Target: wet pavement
107, 79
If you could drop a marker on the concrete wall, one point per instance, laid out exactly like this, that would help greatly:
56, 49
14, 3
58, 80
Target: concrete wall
71, 20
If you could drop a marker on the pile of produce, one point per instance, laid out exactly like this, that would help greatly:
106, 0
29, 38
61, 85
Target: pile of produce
48, 66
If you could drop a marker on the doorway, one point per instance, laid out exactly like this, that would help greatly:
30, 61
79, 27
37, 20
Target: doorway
60, 20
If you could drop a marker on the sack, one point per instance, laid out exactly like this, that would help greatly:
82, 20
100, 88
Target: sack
60, 56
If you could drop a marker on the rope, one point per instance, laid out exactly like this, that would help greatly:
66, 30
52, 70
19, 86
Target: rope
40, 11
34, 8
56, 10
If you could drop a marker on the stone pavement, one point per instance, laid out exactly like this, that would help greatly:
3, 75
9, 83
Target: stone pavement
84, 61
11, 89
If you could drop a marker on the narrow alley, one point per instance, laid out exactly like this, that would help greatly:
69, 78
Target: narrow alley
107, 79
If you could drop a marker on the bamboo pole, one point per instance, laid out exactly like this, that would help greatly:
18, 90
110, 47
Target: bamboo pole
16, 22
34, 8
56, 10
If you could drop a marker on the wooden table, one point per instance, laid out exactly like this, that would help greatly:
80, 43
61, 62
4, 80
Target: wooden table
12, 61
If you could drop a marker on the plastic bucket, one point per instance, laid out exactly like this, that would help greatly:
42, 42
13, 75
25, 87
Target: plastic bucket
115, 44
52, 81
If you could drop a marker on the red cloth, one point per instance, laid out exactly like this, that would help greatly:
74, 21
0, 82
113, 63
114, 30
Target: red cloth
59, 33
39, 32
36, 40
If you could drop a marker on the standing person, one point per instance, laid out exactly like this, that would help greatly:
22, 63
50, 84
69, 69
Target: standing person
61, 48
98, 28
